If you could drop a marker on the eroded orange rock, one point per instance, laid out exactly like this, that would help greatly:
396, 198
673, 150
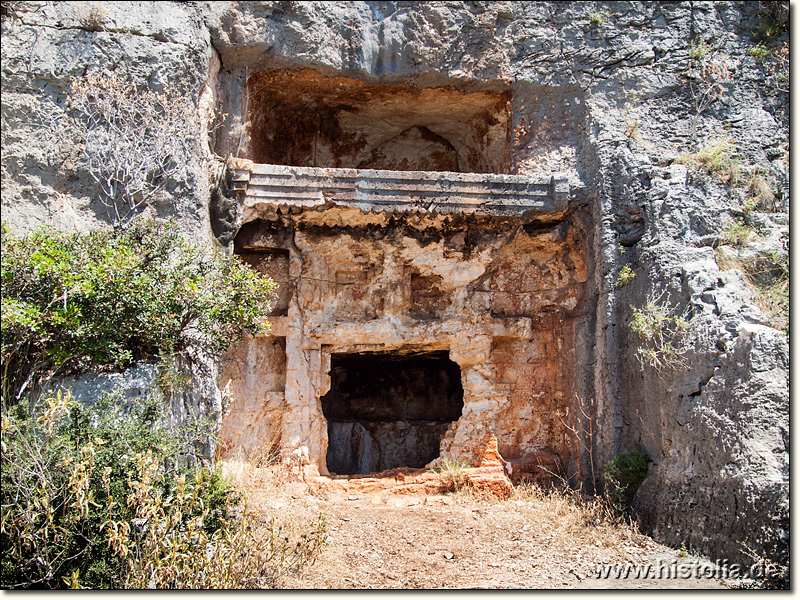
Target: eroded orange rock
490, 455
489, 479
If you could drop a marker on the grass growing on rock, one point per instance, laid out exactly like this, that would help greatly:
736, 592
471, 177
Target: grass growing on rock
768, 277
736, 234
717, 159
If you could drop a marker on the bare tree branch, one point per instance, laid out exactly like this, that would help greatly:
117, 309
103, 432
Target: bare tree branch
135, 140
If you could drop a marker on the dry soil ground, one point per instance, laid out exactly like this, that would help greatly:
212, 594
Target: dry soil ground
536, 539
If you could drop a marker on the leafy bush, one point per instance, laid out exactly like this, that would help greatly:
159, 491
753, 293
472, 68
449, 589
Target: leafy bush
622, 477
598, 19
168, 545
758, 52
62, 462
74, 300
96, 497
664, 335
625, 276
699, 49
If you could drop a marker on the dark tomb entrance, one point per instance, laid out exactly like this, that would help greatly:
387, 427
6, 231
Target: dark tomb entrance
389, 410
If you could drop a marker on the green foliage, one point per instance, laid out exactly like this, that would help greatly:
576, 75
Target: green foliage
663, 335
598, 19
171, 379
102, 497
168, 545
622, 477
75, 300
736, 234
67, 471
717, 159
625, 276
759, 52
699, 49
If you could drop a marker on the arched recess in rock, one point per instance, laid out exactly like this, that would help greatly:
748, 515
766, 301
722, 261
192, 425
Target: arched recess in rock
415, 149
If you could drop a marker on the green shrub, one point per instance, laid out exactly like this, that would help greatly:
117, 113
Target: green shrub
758, 52
664, 336
622, 477
598, 19
699, 49
625, 276
110, 299
97, 496
61, 462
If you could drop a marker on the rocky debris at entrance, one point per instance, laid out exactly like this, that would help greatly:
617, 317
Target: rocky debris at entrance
488, 480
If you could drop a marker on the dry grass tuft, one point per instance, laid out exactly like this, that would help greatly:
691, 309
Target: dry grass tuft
270, 491
717, 159
768, 277
568, 506
571, 520
760, 194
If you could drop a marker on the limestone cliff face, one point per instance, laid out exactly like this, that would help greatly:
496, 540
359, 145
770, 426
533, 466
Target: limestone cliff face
604, 95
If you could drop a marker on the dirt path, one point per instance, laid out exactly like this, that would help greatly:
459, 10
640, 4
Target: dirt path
380, 540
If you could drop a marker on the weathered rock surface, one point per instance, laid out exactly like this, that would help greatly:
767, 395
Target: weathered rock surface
603, 93
197, 403
497, 297
726, 482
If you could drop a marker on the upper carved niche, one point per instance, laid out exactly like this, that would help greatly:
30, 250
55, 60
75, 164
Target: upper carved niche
302, 118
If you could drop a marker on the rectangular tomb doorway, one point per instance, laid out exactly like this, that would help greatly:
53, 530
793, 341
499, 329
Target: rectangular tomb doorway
387, 410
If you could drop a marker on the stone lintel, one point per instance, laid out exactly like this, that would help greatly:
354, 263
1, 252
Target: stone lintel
417, 335
261, 186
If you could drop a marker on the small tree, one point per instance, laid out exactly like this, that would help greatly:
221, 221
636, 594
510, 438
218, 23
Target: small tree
72, 301
134, 140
